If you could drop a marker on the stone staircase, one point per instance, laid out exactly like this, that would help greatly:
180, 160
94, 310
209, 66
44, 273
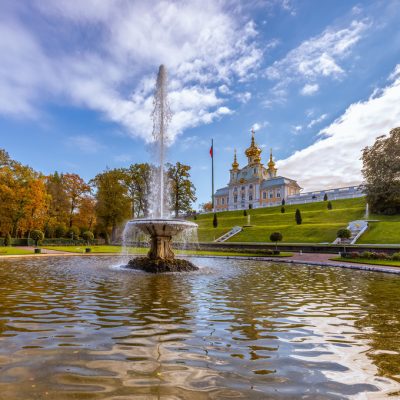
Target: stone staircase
357, 228
234, 231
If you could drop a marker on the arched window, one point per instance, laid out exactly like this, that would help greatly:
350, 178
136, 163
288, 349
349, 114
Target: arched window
251, 187
264, 195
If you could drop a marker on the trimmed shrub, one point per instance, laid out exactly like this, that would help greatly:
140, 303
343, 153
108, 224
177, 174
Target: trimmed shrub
325, 197
276, 237
382, 256
298, 217
396, 256
354, 254
7, 240
366, 254
329, 205
37, 236
88, 236
245, 212
282, 209
283, 202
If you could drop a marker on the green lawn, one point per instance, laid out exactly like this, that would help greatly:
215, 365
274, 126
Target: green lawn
390, 263
319, 224
140, 250
6, 251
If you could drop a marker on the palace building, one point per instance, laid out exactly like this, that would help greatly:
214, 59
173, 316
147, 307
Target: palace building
254, 185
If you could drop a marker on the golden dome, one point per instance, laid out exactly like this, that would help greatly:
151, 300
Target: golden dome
253, 151
235, 164
271, 163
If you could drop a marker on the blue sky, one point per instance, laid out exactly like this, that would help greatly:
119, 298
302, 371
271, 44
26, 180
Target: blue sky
317, 80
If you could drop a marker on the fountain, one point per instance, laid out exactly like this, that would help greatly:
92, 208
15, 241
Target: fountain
159, 227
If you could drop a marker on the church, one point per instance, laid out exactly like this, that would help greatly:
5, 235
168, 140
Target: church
254, 185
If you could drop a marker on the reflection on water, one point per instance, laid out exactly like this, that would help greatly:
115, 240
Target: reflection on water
75, 328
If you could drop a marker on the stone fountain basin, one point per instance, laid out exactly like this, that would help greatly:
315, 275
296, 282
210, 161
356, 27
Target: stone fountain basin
162, 226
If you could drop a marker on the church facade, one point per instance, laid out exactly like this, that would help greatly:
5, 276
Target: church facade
254, 185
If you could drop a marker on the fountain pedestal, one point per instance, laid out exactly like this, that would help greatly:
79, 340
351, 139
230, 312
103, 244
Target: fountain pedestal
160, 257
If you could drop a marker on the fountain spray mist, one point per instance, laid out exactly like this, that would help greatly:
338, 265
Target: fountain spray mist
161, 116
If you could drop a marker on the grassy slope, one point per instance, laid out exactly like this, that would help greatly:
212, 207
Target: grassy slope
387, 230
319, 223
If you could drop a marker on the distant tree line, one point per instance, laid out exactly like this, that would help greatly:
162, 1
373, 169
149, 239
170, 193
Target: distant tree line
64, 205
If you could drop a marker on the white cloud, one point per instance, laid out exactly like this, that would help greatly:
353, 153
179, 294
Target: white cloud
334, 160
309, 89
317, 120
105, 48
85, 144
243, 97
296, 129
258, 125
314, 58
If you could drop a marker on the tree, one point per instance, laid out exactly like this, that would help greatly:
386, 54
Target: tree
207, 207
276, 237
245, 213
283, 202
112, 201
381, 170
73, 232
325, 197
58, 205
137, 179
75, 189
343, 234
7, 240
60, 230
329, 205
37, 236
182, 190
86, 216
88, 237
298, 217
282, 209
215, 221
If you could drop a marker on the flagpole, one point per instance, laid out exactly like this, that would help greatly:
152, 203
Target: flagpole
212, 174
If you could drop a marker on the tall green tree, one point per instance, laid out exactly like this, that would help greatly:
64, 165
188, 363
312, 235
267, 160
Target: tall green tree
137, 179
381, 170
112, 200
182, 190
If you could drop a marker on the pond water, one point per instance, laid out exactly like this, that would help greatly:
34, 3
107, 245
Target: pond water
83, 328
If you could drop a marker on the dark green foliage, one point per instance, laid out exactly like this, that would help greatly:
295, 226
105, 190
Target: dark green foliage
325, 197
298, 217
73, 232
343, 233
182, 190
37, 236
283, 202
215, 221
329, 205
381, 170
195, 217
276, 237
88, 236
7, 240
60, 231
282, 209
245, 213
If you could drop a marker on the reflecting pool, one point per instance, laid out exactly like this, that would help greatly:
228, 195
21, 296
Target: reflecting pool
84, 328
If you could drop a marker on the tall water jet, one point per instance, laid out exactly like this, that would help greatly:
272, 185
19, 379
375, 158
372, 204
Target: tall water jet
161, 230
